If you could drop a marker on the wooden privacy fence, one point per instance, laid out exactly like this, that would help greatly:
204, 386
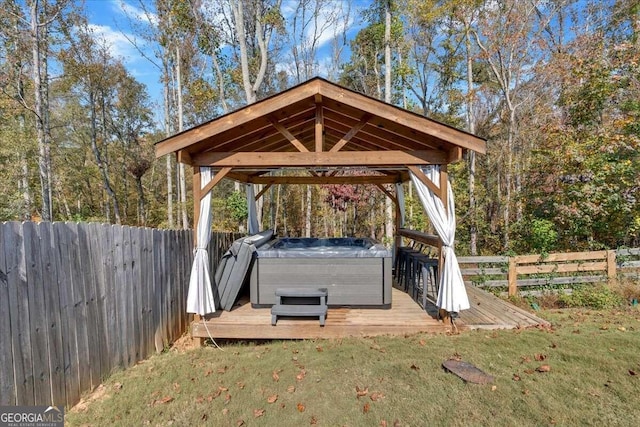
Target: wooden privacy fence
526, 271
78, 301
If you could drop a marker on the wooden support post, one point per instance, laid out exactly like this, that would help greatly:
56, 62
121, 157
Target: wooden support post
512, 276
611, 264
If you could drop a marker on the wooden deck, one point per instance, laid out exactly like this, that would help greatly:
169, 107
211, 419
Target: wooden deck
404, 318
490, 312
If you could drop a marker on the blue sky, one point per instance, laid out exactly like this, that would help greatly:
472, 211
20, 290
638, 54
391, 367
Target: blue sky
111, 20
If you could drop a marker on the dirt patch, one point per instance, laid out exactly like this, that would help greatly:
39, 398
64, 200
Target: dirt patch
185, 343
100, 393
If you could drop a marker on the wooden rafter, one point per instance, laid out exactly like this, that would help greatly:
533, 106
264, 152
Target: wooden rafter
345, 139
285, 132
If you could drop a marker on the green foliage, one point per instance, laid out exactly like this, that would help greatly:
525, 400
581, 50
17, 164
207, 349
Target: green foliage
598, 297
236, 204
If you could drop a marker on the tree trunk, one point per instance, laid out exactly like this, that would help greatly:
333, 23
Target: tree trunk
44, 159
181, 172
471, 155
106, 182
387, 98
167, 128
307, 216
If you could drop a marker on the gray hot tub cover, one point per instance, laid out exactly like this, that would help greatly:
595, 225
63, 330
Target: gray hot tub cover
233, 269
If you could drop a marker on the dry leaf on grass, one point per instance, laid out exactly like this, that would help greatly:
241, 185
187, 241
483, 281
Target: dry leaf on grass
258, 413
117, 386
239, 423
361, 391
225, 411
291, 389
543, 368
272, 399
366, 408
494, 387
516, 377
375, 396
540, 357
319, 349
301, 375
222, 370
240, 385
415, 368
632, 372
227, 399
300, 407
383, 423
275, 375
422, 343
313, 421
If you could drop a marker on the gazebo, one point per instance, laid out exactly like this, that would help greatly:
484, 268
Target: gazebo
317, 130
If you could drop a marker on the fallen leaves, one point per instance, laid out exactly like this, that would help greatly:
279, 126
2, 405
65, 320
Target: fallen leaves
258, 413
360, 392
301, 407
275, 375
291, 389
272, 399
632, 372
415, 368
516, 377
543, 368
301, 375
366, 408
164, 400
375, 396
540, 357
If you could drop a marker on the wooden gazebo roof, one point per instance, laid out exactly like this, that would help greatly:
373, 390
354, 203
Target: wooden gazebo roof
319, 128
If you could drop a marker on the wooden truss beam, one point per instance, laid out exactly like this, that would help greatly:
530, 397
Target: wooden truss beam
345, 139
285, 132
370, 179
324, 159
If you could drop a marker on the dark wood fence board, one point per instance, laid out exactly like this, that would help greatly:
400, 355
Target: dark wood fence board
68, 323
19, 297
37, 317
130, 296
78, 301
94, 231
52, 312
7, 386
120, 355
76, 256
156, 304
88, 273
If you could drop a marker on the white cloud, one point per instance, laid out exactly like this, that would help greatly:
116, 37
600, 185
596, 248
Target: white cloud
118, 42
140, 14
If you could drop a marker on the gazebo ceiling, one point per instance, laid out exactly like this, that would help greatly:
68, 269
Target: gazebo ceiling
319, 125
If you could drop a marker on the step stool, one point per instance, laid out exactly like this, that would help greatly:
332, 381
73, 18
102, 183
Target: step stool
282, 308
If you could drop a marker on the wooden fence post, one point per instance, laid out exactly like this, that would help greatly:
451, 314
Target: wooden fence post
512, 277
611, 264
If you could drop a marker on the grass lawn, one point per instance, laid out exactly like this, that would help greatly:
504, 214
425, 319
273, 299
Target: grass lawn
592, 361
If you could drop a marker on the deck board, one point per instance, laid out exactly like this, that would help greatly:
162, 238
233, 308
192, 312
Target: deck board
405, 317
490, 312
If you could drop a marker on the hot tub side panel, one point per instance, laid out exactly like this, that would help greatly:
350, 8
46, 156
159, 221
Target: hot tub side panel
349, 281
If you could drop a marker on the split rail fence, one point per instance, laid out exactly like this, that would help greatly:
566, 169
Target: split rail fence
530, 271
81, 300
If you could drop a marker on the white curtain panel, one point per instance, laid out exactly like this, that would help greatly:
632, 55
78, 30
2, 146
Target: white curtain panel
452, 295
253, 211
400, 197
200, 296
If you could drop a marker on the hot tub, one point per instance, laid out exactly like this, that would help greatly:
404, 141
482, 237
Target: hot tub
355, 271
